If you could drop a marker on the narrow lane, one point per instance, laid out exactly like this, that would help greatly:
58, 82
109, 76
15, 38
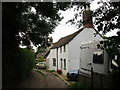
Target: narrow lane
53, 81
49, 80
35, 80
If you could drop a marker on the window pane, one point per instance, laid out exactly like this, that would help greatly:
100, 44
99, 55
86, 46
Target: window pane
60, 49
64, 48
98, 57
64, 63
54, 61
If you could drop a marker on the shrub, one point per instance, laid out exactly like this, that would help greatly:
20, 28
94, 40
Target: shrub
115, 76
50, 70
41, 59
78, 85
59, 71
26, 63
17, 65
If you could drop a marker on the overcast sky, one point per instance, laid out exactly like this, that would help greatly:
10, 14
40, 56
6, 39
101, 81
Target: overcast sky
64, 29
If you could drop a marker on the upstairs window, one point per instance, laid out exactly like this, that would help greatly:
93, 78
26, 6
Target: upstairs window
61, 49
64, 48
98, 57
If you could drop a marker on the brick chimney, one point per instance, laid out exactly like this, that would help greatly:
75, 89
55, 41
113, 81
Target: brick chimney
87, 17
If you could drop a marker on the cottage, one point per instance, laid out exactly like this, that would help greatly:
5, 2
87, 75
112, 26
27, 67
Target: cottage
65, 54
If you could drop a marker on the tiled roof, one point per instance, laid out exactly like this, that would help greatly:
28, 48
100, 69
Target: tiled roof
66, 40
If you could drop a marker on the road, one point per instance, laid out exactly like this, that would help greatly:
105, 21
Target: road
48, 80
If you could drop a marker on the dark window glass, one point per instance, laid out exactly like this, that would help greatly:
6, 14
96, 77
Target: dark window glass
64, 48
98, 57
54, 61
64, 63
60, 49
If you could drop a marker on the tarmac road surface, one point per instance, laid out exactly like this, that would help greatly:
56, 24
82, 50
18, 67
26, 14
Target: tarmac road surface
48, 80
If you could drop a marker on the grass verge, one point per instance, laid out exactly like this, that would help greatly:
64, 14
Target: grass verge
40, 72
78, 85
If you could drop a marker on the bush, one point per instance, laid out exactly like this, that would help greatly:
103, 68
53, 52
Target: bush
115, 76
41, 59
50, 70
26, 63
77, 85
17, 65
59, 72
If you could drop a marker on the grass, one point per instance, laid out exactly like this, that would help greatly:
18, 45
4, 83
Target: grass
78, 85
40, 72
37, 70
50, 70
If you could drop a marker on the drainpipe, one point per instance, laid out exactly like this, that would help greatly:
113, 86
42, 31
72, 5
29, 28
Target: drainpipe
57, 57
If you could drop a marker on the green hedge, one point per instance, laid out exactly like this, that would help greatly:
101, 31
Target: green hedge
78, 85
26, 62
16, 66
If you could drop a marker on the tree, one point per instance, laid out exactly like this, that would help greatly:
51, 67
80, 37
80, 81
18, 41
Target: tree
23, 26
108, 19
31, 26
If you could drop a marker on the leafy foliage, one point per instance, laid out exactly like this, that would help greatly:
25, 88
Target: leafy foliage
24, 23
78, 85
41, 59
76, 20
31, 22
107, 17
27, 61
18, 67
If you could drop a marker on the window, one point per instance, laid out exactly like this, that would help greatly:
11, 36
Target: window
60, 49
98, 57
64, 48
54, 61
65, 64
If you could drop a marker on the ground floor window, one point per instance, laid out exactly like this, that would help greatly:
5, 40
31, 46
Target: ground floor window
54, 61
65, 64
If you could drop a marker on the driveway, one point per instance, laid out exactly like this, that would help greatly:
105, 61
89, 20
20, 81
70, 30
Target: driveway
48, 80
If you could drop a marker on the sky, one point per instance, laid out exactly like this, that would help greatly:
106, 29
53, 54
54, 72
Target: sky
64, 29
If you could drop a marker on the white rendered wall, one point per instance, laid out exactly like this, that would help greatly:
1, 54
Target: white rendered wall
63, 55
50, 60
85, 36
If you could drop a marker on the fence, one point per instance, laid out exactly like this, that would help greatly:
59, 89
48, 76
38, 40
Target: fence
95, 80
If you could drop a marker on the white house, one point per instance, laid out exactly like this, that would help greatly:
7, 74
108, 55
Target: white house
65, 54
